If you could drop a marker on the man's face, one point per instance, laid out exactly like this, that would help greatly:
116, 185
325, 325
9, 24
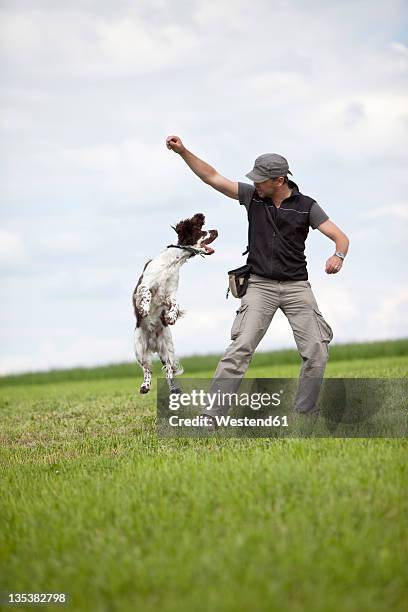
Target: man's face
266, 189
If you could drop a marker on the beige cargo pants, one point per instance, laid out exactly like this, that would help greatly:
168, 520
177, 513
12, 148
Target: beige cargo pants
311, 332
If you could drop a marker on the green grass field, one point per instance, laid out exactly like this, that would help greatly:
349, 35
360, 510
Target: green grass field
95, 505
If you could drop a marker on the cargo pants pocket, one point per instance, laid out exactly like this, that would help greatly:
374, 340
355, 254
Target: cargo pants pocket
326, 332
239, 320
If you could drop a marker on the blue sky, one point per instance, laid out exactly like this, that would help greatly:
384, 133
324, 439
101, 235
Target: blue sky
89, 191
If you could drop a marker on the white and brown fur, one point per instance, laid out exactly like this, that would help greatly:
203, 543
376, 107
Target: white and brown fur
155, 304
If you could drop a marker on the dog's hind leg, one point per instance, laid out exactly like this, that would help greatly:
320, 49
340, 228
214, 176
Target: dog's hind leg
170, 364
175, 364
144, 358
173, 386
147, 380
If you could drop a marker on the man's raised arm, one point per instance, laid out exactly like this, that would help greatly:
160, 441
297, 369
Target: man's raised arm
204, 171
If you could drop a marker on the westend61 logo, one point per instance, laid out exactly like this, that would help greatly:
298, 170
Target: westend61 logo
207, 401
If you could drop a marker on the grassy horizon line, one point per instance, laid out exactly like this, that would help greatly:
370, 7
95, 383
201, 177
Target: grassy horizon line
196, 363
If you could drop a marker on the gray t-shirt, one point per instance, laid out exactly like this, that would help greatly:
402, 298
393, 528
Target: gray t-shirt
317, 214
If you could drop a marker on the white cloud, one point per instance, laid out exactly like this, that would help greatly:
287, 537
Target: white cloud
91, 45
12, 249
209, 15
401, 56
397, 211
390, 319
63, 243
73, 351
130, 167
399, 48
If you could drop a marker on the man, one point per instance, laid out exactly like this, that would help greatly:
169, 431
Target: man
279, 217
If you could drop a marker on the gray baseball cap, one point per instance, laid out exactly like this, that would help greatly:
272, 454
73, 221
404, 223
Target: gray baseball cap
269, 165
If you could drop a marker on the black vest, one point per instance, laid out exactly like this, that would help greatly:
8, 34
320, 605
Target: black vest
279, 255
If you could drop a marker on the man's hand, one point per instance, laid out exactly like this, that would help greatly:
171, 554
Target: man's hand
333, 264
204, 171
330, 229
174, 143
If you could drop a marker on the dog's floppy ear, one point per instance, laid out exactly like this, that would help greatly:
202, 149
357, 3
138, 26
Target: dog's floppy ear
183, 231
198, 219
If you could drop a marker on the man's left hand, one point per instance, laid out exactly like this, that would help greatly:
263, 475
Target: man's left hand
333, 264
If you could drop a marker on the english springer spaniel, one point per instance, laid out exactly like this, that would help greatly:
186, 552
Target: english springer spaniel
154, 299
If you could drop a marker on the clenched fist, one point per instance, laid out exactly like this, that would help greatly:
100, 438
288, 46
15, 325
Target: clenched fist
333, 264
174, 143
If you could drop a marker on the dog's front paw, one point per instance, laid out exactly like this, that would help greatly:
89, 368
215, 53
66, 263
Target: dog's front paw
143, 311
170, 318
